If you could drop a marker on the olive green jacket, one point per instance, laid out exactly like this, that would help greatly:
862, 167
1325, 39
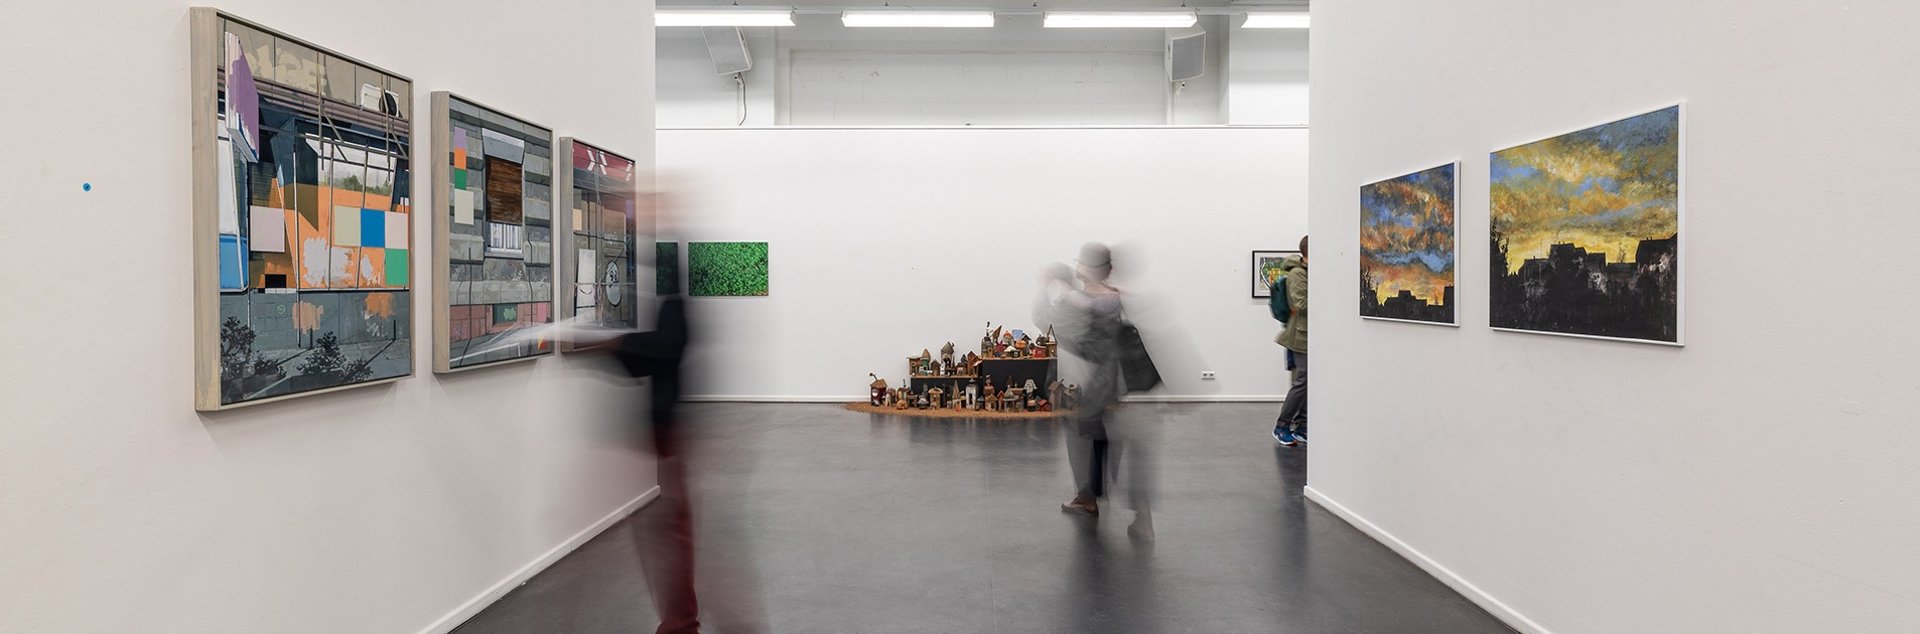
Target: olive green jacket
1294, 337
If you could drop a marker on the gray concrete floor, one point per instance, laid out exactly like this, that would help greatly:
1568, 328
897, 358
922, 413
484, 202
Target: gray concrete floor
816, 519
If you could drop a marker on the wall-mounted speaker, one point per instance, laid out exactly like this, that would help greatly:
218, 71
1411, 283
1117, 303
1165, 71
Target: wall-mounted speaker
728, 50
1186, 56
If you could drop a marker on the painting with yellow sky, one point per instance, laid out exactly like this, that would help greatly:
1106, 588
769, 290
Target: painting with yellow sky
1407, 247
1585, 232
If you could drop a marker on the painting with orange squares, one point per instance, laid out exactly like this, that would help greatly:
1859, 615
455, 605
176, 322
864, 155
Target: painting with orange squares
305, 204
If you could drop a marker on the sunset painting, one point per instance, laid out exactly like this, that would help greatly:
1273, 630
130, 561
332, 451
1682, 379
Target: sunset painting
1407, 247
1585, 232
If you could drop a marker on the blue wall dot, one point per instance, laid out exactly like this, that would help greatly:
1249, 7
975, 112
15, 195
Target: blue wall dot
86, 187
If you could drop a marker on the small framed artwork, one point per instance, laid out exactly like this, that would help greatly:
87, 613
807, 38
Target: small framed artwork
1266, 271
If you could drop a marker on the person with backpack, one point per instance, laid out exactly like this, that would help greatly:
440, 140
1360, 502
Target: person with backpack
1289, 306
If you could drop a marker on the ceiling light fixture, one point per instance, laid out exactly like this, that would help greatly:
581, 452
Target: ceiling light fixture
918, 19
746, 17
1277, 21
1119, 19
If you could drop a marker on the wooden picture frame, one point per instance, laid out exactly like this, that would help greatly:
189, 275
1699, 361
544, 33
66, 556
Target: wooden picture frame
590, 208
493, 242
293, 329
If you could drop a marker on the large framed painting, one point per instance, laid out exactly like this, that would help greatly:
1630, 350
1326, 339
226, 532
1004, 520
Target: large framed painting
302, 217
1407, 247
493, 274
1585, 232
727, 269
602, 190
1266, 271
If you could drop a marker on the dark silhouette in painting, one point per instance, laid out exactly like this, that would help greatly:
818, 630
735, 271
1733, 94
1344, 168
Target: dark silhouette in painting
1407, 247
1585, 232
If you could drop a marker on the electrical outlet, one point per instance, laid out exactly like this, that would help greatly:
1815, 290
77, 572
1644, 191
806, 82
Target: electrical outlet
1207, 375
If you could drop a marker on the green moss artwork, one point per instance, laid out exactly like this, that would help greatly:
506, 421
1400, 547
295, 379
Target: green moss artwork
727, 269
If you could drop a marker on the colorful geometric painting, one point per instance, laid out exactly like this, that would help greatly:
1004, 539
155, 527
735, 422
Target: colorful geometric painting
1585, 233
605, 222
1407, 247
310, 155
666, 268
494, 294
1266, 271
727, 269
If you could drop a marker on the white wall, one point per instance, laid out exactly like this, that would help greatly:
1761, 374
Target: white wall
374, 510
884, 242
820, 73
1266, 72
1762, 478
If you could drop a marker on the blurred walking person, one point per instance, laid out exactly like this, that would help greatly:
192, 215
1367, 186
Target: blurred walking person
1088, 317
659, 355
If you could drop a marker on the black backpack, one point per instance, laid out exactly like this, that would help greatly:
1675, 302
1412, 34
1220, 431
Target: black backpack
1136, 368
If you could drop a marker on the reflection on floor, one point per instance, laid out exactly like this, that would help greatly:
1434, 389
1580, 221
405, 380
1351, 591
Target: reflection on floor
851, 522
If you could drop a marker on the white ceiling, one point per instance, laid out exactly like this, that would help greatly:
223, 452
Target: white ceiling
993, 4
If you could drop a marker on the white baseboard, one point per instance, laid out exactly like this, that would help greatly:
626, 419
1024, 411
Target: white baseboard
1203, 398
861, 398
738, 398
1473, 593
486, 598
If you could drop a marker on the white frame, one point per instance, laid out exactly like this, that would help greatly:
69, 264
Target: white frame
1457, 302
1680, 228
442, 174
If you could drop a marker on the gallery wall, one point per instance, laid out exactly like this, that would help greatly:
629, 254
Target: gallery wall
1758, 479
887, 241
394, 508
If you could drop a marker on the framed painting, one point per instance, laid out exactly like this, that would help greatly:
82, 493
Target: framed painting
1585, 232
493, 272
302, 217
601, 190
1266, 271
727, 269
666, 268
1407, 247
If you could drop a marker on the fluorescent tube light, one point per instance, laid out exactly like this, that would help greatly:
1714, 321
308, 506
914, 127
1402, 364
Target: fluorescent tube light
1119, 19
748, 17
1277, 21
925, 19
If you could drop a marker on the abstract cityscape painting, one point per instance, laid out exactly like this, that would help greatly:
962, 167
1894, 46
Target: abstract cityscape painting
603, 230
666, 268
1266, 271
1407, 247
303, 217
493, 180
1585, 233
727, 269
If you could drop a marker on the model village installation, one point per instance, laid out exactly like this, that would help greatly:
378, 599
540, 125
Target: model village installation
304, 221
1012, 376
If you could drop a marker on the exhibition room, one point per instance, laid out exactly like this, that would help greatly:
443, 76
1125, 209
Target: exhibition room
972, 316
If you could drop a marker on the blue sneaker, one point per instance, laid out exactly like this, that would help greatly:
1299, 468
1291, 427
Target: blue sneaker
1284, 437
1300, 435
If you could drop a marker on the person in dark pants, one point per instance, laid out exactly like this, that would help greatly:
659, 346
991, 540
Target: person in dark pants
1291, 428
659, 355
